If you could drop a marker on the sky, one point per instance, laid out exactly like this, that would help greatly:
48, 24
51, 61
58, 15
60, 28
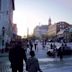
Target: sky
30, 13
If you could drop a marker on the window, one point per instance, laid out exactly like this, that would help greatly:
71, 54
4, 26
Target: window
0, 4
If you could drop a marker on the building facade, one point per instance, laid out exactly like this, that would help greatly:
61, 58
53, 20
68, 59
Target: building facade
15, 29
40, 31
55, 28
6, 21
52, 30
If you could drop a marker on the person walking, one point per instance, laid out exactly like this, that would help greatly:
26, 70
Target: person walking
35, 44
16, 56
32, 64
51, 46
61, 52
31, 45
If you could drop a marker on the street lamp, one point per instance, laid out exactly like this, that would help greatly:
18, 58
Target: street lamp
3, 35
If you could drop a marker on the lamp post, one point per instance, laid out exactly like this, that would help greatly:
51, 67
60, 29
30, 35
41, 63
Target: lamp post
3, 36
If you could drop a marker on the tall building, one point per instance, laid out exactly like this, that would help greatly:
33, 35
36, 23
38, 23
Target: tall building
6, 20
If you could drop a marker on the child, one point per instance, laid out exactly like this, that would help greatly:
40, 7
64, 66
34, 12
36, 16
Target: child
32, 63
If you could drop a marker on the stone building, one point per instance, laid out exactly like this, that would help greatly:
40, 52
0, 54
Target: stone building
40, 31
6, 21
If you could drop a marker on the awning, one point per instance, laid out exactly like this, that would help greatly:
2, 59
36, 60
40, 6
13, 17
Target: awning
60, 32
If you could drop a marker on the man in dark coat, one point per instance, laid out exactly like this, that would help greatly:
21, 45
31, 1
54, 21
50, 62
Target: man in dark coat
61, 52
31, 45
16, 56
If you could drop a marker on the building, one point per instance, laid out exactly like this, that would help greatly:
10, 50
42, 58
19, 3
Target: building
62, 25
65, 35
15, 29
6, 21
49, 22
53, 29
40, 31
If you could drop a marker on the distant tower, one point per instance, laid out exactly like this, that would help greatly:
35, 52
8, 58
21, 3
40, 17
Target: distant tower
27, 32
49, 21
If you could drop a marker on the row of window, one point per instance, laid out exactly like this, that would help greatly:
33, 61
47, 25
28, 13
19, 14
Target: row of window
0, 4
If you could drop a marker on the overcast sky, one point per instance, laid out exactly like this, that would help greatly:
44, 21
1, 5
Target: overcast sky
29, 13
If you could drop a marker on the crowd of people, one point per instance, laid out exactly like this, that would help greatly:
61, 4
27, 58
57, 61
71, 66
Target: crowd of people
60, 51
17, 54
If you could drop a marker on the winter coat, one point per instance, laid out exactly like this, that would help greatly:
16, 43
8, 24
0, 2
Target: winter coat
16, 56
32, 65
